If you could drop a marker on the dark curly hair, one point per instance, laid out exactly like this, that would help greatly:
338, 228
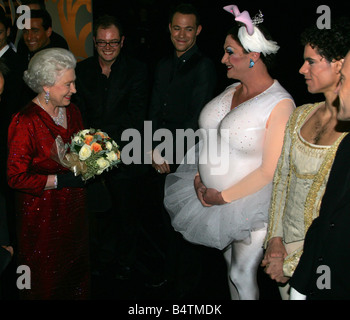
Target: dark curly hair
333, 43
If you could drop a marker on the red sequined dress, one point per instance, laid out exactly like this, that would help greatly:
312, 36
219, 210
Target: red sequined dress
52, 225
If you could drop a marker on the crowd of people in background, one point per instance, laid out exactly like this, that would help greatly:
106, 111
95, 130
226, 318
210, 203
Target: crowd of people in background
280, 204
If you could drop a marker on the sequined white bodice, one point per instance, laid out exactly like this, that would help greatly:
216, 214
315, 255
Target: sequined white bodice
234, 139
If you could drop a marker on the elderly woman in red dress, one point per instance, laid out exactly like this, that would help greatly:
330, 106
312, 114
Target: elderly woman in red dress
52, 223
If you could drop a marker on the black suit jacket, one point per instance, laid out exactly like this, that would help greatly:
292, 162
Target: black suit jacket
14, 83
116, 103
327, 242
180, 92
5, 256
11, 102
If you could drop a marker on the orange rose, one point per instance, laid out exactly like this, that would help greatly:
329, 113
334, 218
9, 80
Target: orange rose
88, 139
96, 147
100, 134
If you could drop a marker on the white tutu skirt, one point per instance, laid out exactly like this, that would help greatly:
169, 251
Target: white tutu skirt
216, 226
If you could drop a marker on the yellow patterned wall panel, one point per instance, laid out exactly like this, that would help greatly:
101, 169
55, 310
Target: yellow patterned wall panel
75, 22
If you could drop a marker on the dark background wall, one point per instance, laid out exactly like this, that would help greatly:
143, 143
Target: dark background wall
285, 20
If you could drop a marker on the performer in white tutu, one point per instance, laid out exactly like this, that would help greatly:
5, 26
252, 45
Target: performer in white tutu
225, 204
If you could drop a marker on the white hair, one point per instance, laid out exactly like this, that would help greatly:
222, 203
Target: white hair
256, 42
46, 66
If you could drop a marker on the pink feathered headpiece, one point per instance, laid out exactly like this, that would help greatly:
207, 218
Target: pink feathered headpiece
251, 37
243, 17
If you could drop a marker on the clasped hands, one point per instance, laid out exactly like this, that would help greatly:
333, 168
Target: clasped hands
160, 164
274, 259
207, 196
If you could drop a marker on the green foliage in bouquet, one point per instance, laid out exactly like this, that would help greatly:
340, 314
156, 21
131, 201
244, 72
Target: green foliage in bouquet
92, 152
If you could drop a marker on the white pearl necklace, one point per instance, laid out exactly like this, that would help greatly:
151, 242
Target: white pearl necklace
59, 120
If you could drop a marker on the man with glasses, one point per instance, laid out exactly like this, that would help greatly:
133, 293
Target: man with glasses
112, 94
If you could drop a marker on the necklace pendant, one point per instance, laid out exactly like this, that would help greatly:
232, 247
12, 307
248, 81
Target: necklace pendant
59, 119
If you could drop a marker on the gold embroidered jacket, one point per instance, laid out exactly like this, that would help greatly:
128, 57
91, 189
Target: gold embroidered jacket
299, 184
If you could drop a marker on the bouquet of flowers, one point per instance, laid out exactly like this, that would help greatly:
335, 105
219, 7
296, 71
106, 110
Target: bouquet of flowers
89, 153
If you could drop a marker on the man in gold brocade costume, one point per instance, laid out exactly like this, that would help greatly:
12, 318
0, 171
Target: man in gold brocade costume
311, 140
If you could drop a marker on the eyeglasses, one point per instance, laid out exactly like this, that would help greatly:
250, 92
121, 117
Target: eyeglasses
113, 43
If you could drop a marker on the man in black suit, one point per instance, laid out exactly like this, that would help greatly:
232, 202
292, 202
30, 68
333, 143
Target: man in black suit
6, 250
112, 94
184, 82
323, 270
13, 78
39, 36
7, 54
56, 39
12, 73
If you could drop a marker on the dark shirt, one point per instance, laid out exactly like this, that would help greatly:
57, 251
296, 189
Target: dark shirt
327, 243
5, 256
4, 235
13, 82
182, 87
115, 103
11, 102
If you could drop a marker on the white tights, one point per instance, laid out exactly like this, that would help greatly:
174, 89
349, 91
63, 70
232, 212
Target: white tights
295, 295
243, 259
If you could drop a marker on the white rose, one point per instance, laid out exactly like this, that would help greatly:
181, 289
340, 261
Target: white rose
85, 152
109, 146
84, 132
112, 156
77, 139
102, 163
